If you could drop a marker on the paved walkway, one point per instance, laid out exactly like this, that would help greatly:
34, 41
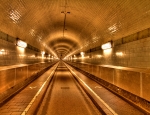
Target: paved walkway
117, 104
19, 102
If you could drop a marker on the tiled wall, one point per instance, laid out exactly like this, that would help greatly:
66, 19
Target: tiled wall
13, 79
11, 54
132, 54
129, 83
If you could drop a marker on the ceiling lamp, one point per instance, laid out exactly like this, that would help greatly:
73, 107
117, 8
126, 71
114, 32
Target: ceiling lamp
107, 45
21, 43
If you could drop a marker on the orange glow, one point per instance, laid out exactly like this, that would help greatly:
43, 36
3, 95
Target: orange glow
21, 43
20, 49
82, 54
106, 45
119, 53
99, 56
108, 51
42, 52
2, 51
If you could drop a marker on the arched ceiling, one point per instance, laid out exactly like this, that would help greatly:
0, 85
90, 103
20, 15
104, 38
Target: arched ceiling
65, 27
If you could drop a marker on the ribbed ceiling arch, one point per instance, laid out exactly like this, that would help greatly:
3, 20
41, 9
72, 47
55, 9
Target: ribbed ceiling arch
75, 24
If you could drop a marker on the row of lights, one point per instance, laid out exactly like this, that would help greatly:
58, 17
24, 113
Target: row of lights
98, 56
23, 44
105, 46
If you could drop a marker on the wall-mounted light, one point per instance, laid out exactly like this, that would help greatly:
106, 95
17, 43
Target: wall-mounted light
98, 56
82, 53
107, 45
119, 53
21, 43
42, 52
2, 51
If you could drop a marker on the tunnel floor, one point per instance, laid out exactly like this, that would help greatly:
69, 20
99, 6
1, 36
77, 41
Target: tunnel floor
65, 96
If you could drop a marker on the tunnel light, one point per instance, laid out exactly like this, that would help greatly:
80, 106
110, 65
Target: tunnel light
22, 55
106, 45
119, 53
99, 56
32, 56
21, 43
82, 53
2, 51
42, 52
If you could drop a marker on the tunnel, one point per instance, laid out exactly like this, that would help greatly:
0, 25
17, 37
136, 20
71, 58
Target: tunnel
69, 57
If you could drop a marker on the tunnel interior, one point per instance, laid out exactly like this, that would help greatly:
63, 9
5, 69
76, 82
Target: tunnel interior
107, 41
62, 29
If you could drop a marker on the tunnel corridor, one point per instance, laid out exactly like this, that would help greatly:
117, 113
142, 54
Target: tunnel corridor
108, 41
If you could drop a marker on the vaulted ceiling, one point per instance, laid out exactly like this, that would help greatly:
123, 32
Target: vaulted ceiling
65, 27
